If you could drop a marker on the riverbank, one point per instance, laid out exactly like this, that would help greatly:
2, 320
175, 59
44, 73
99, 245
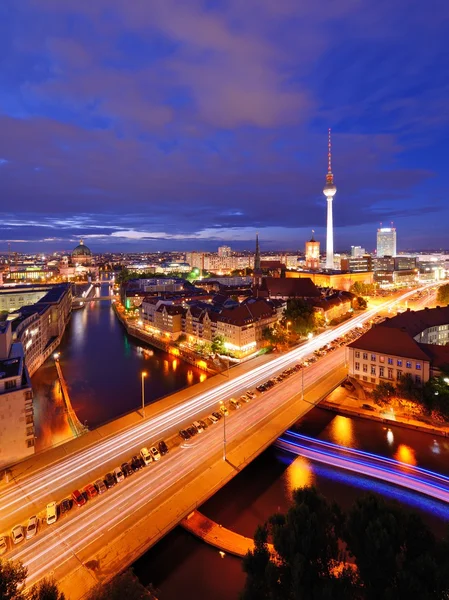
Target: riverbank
201, 363
349, 403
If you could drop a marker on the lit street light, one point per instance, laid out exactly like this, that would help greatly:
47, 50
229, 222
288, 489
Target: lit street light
144, 374
288, 325
224, 428
56, 356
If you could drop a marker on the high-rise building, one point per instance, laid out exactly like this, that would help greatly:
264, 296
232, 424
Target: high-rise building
329, 191
357, 251
224, 251
386, 241
312, 254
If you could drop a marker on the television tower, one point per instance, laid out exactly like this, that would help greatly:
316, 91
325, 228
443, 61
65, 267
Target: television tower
329, 191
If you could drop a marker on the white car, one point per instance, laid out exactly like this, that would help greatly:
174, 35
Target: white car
17, 534
213, 419
198, 426
31, 527
3, 544
52, 513
119, 475
234, 403
244, 398
146, 456
155, 454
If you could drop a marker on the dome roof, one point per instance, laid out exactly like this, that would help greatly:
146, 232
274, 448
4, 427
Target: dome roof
82, 250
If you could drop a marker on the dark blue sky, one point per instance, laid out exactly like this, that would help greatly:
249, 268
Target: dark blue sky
158, 124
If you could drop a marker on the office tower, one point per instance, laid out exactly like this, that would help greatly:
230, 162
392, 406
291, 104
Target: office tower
357, 251
224, 251
386, 241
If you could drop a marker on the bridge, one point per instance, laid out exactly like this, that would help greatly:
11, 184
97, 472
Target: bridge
393, 471
114, 529
83, 300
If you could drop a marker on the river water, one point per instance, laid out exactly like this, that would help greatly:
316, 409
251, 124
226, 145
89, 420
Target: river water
102, 367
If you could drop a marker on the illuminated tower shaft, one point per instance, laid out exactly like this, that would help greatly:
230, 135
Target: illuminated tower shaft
329, 191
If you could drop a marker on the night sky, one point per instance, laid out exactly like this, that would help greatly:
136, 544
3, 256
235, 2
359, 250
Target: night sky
182, 124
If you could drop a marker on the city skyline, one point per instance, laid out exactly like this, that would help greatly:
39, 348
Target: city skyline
190, 127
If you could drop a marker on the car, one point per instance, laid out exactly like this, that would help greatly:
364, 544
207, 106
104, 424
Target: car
261, 388
198, 426
91, 491
17, 534
217, 415
31, 529
250, 394
213, 419
65, 505
155, 454
163, 448
119, 474
244, 398
109, 480
185, 434
234, 403
52, 513
368, 407
126, 469
224, 410
202, 423
192, 430
146, 456
99, 484
3, 544
78, 498
136, 463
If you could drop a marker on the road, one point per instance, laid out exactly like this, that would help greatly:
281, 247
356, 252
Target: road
414, 478
74, 539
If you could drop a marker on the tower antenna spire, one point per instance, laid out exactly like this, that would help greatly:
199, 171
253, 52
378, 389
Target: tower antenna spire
329, 152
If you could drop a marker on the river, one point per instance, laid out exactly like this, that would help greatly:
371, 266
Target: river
102, 367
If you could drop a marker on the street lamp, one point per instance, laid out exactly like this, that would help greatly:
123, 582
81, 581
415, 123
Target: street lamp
143, 375
56, 356
224, 428
288, 325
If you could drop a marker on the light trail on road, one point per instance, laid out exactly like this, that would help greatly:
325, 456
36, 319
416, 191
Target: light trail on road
366, 463
56, 545
36, 485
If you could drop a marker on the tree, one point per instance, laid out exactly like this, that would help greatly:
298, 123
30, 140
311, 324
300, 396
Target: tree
382, 392
12, 578
363, 289
407, 388
303, 317
46, 589
305, 540
123, 586
443, 294
217, 346
359, 303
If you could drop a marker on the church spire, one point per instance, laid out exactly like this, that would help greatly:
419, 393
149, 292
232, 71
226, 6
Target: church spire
257, 255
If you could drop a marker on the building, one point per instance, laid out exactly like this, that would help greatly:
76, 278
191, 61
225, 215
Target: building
224, 251
39, 327
333, 306
412, 343
336, 280
82, 255
16, 401
357, 264
13, 298
405, 263
285, 288
386, 241
329, 191
312, 253
357, 251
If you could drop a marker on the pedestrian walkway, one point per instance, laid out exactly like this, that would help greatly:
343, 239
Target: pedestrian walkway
214, 534
77, 427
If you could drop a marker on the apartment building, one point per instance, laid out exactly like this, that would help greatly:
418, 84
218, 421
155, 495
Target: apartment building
412, 343
16, 401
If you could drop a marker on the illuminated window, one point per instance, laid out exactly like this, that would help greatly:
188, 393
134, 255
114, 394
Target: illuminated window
390, 361
399, 363
373, 370
381, 359
408, 364
373, 358
418, 366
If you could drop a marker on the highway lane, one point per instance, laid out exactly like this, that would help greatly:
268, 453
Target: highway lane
408, 476
33, 491
61, 547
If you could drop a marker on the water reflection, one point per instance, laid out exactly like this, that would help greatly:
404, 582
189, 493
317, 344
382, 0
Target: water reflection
405, 454
299, 474
341, 431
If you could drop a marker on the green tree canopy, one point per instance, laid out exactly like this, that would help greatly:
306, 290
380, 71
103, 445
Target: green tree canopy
12, 577
443, 294
125, 586
46, 589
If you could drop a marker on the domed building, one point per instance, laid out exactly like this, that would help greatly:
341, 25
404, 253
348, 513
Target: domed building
82, 255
